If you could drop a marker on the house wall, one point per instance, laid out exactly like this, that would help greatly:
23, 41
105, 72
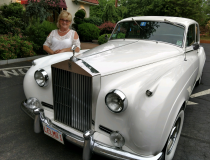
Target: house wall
73, 8
4, 1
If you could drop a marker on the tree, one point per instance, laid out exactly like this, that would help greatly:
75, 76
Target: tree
41, 9
97, 11
110, 13
184, 8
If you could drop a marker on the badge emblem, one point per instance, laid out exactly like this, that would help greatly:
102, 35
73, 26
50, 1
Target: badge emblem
69, 65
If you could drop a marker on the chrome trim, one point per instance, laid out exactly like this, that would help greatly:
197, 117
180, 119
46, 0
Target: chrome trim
46, 77
90, 145
83, 68
33, 63
123, 98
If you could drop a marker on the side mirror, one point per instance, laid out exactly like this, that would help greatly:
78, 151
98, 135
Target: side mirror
196, 46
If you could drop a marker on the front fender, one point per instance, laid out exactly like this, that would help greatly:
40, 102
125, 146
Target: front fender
147, 121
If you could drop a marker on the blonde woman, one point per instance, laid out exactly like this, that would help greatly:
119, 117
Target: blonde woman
62, 39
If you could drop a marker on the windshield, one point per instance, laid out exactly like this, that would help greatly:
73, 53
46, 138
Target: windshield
150, 30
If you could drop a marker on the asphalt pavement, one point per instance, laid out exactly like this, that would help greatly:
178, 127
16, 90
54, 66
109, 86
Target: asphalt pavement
18, 140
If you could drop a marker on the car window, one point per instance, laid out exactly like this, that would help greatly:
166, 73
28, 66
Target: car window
150, 30
191, 35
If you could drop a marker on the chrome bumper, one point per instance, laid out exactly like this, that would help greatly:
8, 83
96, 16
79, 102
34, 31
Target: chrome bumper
89, 145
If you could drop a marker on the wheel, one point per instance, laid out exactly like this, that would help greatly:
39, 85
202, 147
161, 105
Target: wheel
199, 81
174, 136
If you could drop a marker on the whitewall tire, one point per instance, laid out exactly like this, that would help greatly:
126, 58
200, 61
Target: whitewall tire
174, 136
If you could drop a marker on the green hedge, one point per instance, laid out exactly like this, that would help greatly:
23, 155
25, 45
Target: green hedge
88, 32
102, 39
94, 20
12, 47
38, 33
12, 10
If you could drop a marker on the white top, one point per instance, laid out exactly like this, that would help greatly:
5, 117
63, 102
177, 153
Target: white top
184, 21
54, 41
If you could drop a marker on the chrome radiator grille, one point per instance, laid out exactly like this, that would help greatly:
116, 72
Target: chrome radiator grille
72, 96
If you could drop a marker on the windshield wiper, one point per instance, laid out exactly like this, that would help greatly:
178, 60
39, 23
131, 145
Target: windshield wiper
173, 23
137, 24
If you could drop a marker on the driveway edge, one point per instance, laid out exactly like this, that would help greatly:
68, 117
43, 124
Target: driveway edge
9, 61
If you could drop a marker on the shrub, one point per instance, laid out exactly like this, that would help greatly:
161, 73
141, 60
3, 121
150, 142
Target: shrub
107, 28
12, 10
15, 47
88, 32
94, 20
80, 14
11, 24
38, 33
102, 39
78, 19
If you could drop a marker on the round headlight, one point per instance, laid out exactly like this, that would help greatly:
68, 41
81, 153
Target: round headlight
116, 101
41, 77
33, 103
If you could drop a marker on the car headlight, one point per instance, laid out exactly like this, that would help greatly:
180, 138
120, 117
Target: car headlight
116, 101
41, 77
33, 103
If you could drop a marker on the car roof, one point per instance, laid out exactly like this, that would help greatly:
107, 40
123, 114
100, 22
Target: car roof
184, 21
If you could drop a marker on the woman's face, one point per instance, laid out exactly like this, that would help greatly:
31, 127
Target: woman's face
64, 23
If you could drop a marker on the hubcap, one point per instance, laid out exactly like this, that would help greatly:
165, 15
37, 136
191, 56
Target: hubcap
173, 136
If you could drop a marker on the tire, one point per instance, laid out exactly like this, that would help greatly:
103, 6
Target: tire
174, 136
199, 81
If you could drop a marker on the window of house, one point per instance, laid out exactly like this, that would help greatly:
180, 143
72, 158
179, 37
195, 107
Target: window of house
191, 35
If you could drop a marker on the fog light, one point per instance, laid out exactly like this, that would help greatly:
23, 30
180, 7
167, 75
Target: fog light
117, 139
33, 103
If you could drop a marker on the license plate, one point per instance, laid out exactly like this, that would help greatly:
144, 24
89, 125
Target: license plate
50, 131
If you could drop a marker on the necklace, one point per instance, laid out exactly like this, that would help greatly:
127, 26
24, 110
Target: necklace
63, 31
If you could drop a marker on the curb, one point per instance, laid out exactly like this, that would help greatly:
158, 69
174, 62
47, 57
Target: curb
9, 61
204, 41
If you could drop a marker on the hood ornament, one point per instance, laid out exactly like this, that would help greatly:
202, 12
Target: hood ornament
73, 58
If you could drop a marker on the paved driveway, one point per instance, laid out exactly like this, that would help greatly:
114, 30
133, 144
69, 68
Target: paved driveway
18, 141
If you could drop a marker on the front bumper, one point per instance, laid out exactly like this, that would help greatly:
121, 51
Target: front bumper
87, 142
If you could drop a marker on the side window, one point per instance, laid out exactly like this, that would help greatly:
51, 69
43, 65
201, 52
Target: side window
197, 32
191, 35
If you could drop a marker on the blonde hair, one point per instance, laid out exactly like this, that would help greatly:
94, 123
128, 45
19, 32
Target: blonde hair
64, 14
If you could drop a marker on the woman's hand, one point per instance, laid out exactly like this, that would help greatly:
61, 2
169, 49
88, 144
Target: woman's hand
57, 51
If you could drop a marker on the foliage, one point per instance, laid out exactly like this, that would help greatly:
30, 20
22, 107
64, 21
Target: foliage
110, 13
181, 8
193, 9
38, 33
88, 32
11, 24
97, 11
78, 19
106, 28
12, 10
80, 14
41, 9
12, 47
94, 20
208, 27
102, 39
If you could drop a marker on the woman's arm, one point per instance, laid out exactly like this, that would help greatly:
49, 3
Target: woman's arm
50, 51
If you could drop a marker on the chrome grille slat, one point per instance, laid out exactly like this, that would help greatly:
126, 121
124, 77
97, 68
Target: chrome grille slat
72, 95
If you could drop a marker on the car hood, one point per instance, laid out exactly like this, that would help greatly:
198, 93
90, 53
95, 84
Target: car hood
116, 56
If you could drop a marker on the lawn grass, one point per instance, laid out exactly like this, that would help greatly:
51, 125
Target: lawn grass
205, 38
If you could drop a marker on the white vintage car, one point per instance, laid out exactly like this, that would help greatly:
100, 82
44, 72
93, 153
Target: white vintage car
124, 99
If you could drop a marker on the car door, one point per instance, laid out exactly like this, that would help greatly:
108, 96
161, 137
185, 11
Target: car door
200, 52
192, 59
